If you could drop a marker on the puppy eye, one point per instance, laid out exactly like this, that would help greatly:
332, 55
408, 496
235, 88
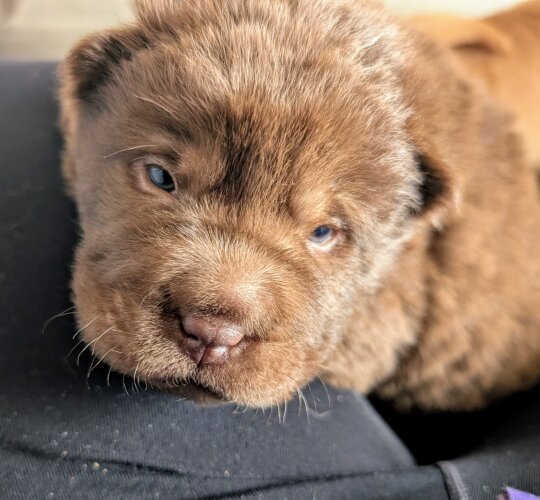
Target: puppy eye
160, 178
323, 236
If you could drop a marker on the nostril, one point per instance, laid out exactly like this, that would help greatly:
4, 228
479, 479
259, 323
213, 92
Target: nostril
211, 330
209, 339
191, 336
197, 328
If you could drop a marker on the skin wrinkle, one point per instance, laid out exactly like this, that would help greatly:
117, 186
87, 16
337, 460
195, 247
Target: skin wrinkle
275, 117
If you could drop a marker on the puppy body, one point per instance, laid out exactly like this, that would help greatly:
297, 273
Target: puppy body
503, 52
274, 118
465, 299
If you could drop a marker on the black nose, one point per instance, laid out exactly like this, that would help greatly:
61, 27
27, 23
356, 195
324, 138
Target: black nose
209, 339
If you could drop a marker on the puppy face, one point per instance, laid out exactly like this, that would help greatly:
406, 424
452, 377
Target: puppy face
244, 179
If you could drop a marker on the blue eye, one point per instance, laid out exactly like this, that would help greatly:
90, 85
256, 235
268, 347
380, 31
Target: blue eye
322, 235
161, 178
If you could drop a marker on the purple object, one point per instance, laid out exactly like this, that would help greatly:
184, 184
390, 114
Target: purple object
520, 495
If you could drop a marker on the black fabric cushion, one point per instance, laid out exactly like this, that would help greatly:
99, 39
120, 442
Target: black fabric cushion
63, 435
66, 435
480, 453
509, 454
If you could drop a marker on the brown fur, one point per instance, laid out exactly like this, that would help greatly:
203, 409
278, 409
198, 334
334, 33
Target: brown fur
276, 117
503, 51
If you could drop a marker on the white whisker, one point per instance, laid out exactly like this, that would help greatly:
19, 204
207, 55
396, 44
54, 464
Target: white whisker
129, 149
326, 390
85, 326
124, 383
135, 381
145, 297
93, 342
93, 367
109, 376
160, 106
73, 348
67, 312
303, 398
315, 400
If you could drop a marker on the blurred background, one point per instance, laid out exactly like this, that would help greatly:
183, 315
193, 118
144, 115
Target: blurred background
45, 29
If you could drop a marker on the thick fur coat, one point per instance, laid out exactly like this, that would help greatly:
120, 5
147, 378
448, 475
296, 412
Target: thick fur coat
272, 119
503, 52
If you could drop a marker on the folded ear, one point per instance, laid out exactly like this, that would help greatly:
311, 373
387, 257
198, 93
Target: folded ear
459, 33
438, 189
86, 70
95, 59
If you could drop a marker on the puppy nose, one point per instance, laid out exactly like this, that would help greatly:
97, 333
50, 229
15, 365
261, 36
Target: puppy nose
209, 339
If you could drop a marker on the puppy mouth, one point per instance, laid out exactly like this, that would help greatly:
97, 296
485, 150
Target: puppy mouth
256, 368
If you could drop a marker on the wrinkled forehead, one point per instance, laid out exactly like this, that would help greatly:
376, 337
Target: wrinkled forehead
247, 115
248, 149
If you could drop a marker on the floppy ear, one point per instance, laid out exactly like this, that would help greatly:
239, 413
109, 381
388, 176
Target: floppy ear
94, 60
443, 126
438, 190
438, 187
83, 74
459, 33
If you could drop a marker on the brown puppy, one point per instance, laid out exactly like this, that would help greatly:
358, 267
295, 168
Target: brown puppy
503, 51
275, 190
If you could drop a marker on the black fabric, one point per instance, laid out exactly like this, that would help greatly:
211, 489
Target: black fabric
509, 454
65, 436
480, 453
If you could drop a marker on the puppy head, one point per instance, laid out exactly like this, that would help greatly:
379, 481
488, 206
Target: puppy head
244, 178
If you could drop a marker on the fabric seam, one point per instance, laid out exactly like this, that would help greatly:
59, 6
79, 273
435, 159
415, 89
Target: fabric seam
454, 480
